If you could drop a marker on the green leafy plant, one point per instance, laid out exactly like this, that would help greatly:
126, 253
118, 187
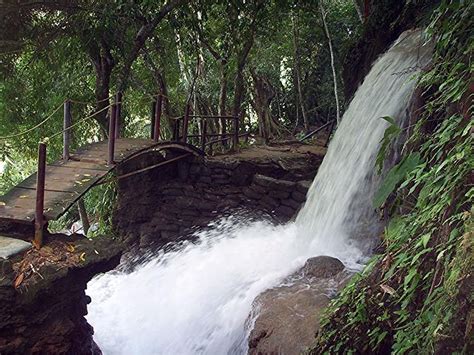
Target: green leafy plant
415, 297
390, 134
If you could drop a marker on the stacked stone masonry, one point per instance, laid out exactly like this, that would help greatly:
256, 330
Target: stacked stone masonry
159, 207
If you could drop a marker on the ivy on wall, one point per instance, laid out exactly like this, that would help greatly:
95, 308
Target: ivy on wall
417, 296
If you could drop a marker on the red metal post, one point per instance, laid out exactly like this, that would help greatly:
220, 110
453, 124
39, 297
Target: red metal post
40, 183
157, 125
112, 126
118, 112
366, 10
203, 134
186, 122
66, 130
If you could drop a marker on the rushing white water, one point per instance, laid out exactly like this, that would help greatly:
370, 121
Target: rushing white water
197, 298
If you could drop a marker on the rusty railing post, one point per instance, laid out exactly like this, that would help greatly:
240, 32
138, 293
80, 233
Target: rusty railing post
203, 134
157, 123
66, 130
40, 183
118, 112
236, 132
112, 126
186, 122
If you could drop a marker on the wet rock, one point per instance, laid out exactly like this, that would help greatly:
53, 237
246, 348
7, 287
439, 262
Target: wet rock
303, 186
322, 266
281, 195
288, 317
269, 202
260, 189
285, 211
291, 203
298, 196
205, 179
251, 193
272, 183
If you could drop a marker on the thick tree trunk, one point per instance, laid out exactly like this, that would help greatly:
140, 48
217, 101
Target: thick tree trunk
239, 77
103, 64
263, 96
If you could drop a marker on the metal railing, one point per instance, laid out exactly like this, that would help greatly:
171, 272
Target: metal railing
205, 140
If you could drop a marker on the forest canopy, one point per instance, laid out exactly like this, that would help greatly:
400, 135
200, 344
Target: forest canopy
267, 62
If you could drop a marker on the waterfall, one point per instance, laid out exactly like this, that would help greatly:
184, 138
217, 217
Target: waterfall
196, 298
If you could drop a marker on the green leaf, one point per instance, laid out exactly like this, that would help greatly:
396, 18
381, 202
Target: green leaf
425, 239
391, 132
395, 176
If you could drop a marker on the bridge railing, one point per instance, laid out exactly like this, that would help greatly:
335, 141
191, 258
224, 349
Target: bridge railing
66, 132
203, 140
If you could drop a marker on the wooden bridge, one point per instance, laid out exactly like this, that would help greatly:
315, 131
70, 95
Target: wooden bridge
54, 188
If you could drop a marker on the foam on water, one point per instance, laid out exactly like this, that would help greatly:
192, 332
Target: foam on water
197, 298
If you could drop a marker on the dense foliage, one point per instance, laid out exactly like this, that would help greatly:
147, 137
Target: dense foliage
264, 61
417, 296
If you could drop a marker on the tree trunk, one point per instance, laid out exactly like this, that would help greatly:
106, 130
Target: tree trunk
142, 35
298, 71
223, 96
103, 64
263, 96
239, 77
326, 30
358, 7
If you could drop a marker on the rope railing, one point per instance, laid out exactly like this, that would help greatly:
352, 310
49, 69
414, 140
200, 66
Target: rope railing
34, 127
113, 134
77, 123
91, 103
40, 221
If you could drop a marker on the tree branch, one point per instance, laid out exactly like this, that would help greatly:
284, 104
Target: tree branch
142, 35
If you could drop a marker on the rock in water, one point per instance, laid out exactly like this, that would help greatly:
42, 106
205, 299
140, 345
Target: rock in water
322, 267
288, 316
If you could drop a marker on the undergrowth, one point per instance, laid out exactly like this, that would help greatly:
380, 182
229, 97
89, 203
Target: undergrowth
416, 297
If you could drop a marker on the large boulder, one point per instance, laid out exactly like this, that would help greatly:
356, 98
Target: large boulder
288, 316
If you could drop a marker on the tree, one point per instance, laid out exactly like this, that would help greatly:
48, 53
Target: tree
331, 52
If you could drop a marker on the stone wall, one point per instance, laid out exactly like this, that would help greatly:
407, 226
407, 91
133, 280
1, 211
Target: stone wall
161, 206
42, 295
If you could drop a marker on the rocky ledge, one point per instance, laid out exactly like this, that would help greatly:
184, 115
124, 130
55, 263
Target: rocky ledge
286, 318
42, 295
